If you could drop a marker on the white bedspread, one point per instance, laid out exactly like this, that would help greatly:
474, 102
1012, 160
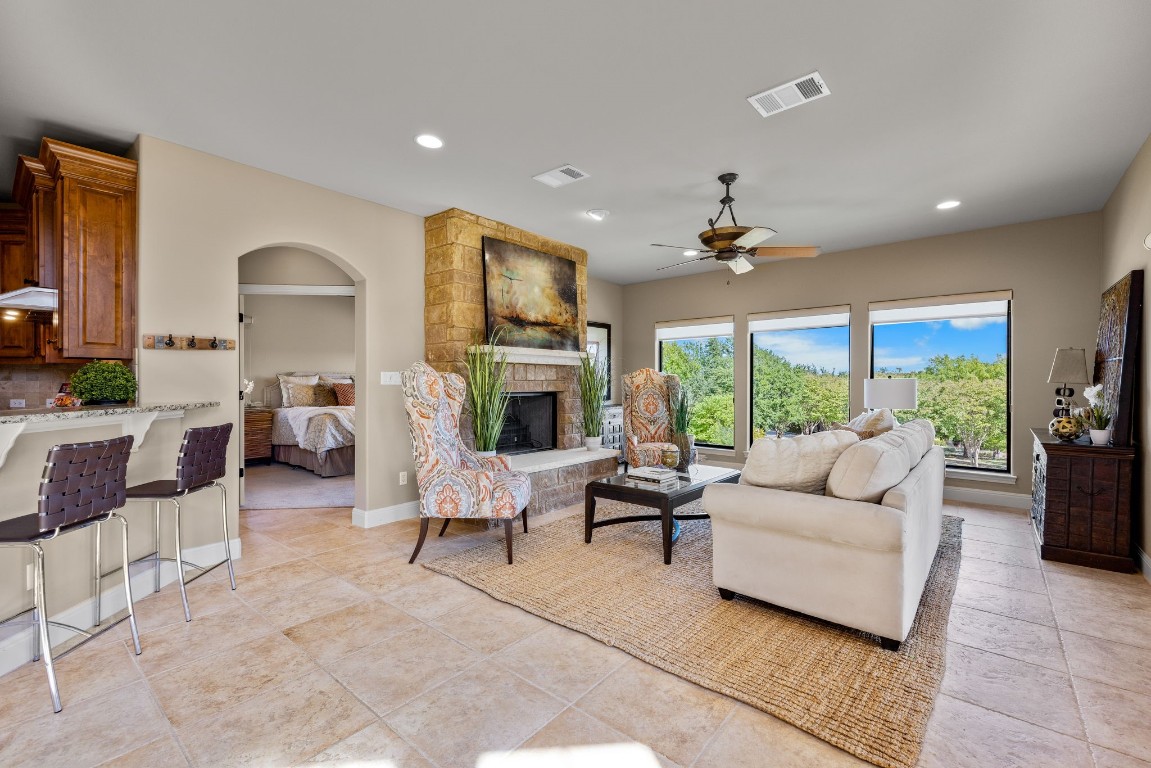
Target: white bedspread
315, 429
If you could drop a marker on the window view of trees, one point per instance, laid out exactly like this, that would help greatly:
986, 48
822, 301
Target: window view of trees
799, 380
961, 365
706, 368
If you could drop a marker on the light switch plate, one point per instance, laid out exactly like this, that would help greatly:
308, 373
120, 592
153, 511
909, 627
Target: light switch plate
15, 403
390, 378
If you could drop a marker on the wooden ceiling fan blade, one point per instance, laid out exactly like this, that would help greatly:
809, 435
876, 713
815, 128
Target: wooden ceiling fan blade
754, 237
681, 248
787, 251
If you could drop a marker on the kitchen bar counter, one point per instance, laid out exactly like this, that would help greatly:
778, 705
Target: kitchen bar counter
135, 419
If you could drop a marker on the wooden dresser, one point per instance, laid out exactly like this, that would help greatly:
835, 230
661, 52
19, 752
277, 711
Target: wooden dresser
257, 434
1083, 502
613, 427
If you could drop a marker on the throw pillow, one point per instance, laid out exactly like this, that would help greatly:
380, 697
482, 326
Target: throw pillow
799, 463
325, 395
345, 393
869, 424
869, 469
287, 378
306, 396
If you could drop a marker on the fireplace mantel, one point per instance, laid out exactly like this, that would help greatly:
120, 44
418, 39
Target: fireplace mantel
536, 356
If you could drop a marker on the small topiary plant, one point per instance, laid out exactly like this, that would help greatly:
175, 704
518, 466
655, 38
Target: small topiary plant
101, 382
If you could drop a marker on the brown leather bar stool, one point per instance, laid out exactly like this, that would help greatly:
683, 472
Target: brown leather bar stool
203, 460
82, 484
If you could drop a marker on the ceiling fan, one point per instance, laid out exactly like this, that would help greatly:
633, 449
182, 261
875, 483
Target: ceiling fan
732, 245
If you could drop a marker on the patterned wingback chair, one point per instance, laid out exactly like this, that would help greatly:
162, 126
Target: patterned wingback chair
454, 481
647, 398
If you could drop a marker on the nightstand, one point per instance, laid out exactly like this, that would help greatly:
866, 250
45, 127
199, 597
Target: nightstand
257, 434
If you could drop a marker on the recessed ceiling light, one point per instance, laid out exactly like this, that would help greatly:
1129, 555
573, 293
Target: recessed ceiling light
691, 252
599, 214
429, 141
947, 205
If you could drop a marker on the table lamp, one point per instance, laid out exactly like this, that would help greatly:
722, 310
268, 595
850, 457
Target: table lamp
1068, 367
896, 394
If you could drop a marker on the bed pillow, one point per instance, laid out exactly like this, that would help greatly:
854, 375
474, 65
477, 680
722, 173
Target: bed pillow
287, 378
799, 463
309, 396
336, 378
345, 393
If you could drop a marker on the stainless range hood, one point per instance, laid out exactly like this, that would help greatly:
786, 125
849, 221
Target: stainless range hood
31, 298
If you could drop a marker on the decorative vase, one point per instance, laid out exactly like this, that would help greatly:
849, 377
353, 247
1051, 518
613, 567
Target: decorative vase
685, 443
484, 454
1100, 436
593, 443
669, 457
1065, 428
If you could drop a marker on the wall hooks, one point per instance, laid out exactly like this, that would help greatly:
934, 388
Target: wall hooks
186, 343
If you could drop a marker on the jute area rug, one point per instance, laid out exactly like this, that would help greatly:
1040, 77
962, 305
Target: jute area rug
832, 682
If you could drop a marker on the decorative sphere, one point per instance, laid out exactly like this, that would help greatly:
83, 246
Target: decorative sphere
1065, 428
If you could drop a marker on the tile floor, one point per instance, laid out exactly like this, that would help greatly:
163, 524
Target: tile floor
335, 650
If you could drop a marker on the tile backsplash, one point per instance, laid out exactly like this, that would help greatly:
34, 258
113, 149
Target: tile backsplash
32, 383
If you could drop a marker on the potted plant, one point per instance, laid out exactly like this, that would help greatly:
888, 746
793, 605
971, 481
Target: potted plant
487, 399
593, 384
680, 424
104, 383
1096, 416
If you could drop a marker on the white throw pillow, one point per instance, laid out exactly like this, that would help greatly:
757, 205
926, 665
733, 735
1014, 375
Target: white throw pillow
882, 420
870, 468
799, 463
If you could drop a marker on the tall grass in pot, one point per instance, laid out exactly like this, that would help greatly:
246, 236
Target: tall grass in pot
487, 399
593, 384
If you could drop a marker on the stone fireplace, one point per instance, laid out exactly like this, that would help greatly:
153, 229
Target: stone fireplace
454, 319
529, 424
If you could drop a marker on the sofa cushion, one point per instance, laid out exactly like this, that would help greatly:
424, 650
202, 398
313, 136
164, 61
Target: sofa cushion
868, 469
920, 436
799, 463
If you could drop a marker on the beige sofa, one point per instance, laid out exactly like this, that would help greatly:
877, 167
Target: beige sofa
858, 553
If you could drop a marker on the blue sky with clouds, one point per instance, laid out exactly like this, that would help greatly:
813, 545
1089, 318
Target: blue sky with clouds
908, 346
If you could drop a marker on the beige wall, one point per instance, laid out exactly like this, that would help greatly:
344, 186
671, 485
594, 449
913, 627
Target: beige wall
605, 305
297, 333
1047, 263
1126, 222
197, 209
290, 266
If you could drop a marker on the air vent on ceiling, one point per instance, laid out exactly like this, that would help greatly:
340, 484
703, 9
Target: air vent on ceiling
788, 95
558, 177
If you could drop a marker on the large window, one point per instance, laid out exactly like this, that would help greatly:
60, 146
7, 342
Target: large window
702, 354
799, 370
958, 347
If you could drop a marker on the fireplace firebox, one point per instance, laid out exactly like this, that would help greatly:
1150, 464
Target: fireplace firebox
529, 424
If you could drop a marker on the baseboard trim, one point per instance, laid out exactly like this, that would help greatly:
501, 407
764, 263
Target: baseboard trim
370, 518
1145, 564
984, 496
16, 647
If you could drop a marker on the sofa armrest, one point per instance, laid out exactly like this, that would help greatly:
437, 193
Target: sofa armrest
856, 523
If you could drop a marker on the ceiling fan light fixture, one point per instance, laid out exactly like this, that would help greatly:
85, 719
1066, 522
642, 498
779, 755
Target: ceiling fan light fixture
690, 252
599, 214
947, 205
428, 141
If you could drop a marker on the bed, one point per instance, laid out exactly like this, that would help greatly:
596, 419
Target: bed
313, 430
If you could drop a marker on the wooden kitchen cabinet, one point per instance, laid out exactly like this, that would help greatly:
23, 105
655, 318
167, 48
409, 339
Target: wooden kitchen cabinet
1083, 502
17, 337
80, 207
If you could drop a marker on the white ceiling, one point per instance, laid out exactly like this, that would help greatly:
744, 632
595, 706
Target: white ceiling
1023, 110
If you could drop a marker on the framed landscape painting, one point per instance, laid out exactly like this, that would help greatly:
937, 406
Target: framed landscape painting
531, 295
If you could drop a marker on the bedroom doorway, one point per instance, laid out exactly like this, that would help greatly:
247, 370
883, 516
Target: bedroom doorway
297, 364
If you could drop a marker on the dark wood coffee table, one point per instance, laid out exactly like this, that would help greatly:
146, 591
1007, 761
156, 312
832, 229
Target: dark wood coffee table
619, 488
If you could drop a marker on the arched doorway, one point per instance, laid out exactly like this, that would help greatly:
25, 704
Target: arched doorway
299, 337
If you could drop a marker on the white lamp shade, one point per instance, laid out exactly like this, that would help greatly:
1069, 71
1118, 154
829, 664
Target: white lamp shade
1069, 367
896, 394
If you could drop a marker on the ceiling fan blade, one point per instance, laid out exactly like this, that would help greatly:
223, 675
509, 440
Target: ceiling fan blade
754, 237
682, 263
739, 265
681, 248
787, 251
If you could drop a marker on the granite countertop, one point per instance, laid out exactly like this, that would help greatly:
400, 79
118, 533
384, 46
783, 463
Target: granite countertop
32, 415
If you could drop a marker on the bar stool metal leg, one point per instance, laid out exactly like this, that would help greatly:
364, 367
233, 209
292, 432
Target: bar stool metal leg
180, 566
45, 642
128, 584
99, 591
156, 538
227, 543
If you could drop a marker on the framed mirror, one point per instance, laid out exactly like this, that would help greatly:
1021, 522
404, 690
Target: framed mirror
599, 347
